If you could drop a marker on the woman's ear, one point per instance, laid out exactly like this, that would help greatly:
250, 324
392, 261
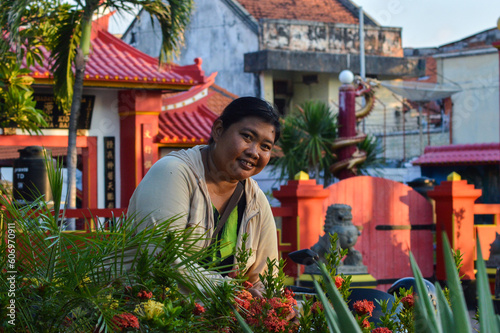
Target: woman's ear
217, 129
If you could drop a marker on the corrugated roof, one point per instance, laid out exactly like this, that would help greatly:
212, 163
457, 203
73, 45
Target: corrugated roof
114, 63
484, 153
328, 11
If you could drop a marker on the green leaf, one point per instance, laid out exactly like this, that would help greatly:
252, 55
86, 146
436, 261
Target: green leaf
346, 321
487, 318
458, 306
243, 325
444, 311
425, 315
330, 315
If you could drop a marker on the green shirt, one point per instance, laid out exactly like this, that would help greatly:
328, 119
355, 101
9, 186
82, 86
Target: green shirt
228, 234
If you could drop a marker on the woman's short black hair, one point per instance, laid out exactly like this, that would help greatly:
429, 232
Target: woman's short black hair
250, 107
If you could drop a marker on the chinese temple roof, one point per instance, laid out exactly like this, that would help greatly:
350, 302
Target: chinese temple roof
114, 63
187, 117
483, 153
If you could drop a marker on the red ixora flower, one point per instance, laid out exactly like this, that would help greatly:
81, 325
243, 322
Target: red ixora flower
273, 323
198, 309
338, 281
363, 307
408, 301
247, 285
317, 307
243, 299
366, 323
126, 320
381, 330
143, 294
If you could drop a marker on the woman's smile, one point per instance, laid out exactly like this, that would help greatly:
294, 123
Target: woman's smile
243, 149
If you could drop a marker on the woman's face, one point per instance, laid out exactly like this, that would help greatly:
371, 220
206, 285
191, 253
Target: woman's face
243, 149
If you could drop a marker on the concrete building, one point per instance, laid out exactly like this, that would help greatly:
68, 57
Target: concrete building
472, 64
284, 51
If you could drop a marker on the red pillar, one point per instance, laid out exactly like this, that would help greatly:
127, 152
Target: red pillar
89, 173
455, 215
347, 123
305, 198
139, 110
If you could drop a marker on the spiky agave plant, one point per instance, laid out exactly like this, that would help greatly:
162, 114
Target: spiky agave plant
80, 281
438, 318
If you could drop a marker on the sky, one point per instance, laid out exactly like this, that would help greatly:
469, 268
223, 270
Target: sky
425, 23
431, 23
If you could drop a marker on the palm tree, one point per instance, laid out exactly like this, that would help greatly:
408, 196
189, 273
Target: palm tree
17, 107
305, 143
70, 47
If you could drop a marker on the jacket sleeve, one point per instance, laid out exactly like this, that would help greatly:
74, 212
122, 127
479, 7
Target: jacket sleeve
265, 243
167, 191
162, 194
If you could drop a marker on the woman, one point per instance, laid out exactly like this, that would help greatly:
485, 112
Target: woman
198, 183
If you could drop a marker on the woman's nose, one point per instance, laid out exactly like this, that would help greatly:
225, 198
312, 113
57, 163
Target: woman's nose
252, 151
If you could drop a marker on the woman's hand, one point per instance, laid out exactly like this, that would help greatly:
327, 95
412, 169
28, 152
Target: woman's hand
255, 293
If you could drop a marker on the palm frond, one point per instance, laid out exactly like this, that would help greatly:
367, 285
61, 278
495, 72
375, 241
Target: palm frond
307, 135
69, 274
374, 150
173, 17
63, 47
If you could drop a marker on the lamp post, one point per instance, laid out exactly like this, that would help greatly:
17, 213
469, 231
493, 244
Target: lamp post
347, 118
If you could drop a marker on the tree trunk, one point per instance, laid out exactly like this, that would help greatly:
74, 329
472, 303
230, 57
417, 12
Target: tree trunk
316, 172
80, 64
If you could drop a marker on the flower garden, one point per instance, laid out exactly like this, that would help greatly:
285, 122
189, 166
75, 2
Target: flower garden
124, 279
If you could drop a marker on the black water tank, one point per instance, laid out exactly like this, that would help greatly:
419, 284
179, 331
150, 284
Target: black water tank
30, 177
423, 185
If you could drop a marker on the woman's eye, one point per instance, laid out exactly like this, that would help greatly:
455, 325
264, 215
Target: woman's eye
265, 147
246, 136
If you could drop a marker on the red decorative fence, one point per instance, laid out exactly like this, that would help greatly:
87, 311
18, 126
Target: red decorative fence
393, 218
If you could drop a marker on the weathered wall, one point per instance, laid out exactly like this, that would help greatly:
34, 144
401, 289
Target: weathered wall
217, 35
476, 108
331, 38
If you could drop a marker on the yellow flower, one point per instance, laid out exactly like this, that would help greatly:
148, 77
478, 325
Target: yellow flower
152, 309
113, 304
85, 280
33, 281
139, 310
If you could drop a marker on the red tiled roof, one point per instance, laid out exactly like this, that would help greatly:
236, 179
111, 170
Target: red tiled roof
328, 11
186, 118
189, 125
114, 63
218, 98
484, 153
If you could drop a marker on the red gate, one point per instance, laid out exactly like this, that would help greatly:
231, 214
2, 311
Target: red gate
394, 219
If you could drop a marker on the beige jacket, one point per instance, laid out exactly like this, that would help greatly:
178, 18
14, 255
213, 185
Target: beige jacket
175, 186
